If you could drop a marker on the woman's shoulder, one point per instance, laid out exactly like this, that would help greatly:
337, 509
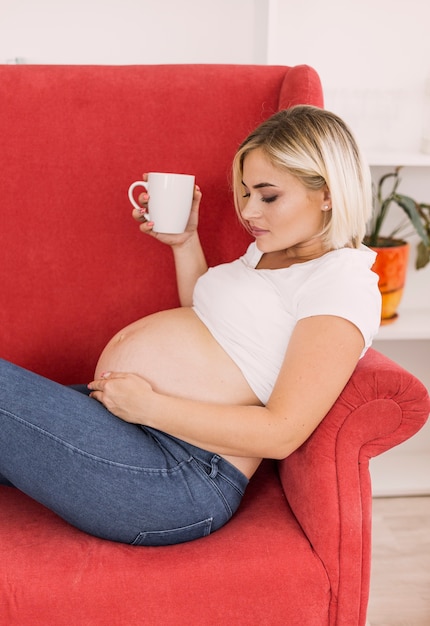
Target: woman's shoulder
342, 271
343, 285
352, 257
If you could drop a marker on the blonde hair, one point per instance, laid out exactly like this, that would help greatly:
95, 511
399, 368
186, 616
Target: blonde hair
318, 148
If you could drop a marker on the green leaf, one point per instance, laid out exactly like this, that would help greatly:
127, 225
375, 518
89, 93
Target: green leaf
423, 255
411, 209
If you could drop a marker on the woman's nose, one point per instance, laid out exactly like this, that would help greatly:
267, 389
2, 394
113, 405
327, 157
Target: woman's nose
251, 209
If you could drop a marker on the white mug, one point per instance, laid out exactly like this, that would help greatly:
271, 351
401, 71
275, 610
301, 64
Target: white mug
170, 199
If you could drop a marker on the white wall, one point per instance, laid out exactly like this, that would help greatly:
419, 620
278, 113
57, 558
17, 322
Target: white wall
132, 31
371, 43
373, 57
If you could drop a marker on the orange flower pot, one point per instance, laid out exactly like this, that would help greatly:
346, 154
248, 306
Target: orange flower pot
391, 266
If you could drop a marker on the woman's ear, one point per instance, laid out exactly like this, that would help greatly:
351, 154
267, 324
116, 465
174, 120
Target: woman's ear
326, 199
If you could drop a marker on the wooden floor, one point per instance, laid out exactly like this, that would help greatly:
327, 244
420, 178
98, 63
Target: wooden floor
400, 580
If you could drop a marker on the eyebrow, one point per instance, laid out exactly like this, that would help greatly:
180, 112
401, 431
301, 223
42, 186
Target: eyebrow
260, 185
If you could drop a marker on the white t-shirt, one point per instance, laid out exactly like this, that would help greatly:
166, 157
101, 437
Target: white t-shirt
252, 312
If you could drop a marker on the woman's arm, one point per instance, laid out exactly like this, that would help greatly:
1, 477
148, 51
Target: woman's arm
321, 356
190, 262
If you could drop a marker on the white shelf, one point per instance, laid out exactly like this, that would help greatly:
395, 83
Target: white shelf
411, 324
413, 159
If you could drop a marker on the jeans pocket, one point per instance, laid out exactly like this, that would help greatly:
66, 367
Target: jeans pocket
174, 535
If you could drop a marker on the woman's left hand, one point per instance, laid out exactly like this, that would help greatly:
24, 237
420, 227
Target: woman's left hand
125, 395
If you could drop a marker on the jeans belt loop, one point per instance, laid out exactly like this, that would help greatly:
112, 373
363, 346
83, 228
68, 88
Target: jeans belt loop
214, 464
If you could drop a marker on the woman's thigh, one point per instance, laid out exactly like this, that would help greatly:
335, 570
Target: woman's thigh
105, 476
44, 407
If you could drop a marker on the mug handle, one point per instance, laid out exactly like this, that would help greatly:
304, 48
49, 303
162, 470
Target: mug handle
138, 183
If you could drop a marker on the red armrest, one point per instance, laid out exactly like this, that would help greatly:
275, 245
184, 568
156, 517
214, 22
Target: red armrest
327, 481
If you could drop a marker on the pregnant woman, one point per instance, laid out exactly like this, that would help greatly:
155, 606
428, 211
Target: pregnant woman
186, 402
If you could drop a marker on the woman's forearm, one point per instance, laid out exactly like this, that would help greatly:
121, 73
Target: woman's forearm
190, 264
247, 431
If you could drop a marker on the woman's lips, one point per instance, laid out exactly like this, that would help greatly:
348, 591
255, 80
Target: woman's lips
257, 232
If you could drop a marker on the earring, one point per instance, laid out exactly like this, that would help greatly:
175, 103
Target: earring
326, 207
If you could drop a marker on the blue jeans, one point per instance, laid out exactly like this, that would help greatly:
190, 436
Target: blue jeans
112, 479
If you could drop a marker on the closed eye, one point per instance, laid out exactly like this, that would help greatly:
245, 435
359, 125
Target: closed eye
269, 199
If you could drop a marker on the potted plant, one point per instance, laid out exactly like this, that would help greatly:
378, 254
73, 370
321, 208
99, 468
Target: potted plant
392, 249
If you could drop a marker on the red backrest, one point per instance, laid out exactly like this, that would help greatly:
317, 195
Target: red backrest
74, 267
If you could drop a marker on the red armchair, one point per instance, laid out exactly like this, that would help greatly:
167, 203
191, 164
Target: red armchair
74, 269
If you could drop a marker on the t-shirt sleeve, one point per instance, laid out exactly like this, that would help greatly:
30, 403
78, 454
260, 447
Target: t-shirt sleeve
348, 290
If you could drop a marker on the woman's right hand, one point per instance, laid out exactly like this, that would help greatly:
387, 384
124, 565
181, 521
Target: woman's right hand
169, 239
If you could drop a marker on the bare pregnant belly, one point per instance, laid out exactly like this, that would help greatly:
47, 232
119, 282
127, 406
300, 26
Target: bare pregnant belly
174, 351
177, 354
